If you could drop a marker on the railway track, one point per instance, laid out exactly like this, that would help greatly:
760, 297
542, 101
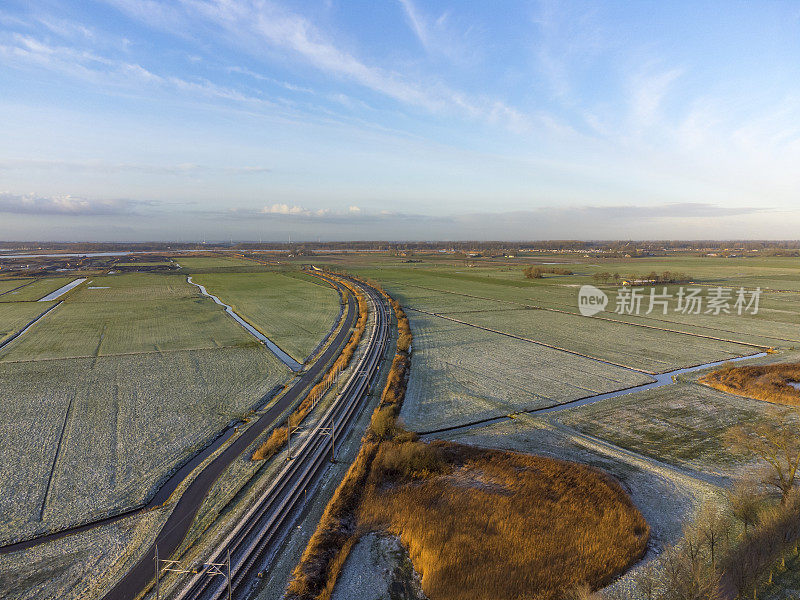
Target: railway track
254, 535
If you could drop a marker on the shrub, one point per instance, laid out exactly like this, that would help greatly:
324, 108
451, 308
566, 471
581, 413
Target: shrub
760, 382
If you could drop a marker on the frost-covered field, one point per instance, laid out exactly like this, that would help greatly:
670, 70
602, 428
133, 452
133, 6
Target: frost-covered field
81, 565
110, 429
636, 347
488, 292
683, 424
104, 397
461, 374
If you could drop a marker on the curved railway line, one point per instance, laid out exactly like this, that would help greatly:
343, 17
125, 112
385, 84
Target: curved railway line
263, 523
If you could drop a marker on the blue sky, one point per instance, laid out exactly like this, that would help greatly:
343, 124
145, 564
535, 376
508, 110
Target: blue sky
398, 119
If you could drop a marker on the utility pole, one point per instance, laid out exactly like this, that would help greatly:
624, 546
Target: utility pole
289, 431
158, 576
331, 431
210, 569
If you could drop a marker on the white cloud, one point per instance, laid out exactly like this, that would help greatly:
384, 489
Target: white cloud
32, 204
285, 209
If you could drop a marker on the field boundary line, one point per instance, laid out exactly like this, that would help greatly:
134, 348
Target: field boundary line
19, 287
55, 458
532, 341
102, 356
566, 312
30, 324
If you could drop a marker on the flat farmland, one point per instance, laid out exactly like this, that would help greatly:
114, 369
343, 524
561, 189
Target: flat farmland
190, 263
129, 287
129, 314
642, 342
16, 315
635, 347
777, 323
296, 312
461, 374
683, 424
6, 285
87, 437
113, 390
38, 289
108, 328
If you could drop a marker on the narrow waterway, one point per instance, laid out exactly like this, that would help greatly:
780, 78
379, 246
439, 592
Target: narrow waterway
659, 380
274, 348
55, 295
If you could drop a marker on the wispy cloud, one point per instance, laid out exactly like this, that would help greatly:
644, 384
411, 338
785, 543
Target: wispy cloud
261, 25
101, 166
32, 204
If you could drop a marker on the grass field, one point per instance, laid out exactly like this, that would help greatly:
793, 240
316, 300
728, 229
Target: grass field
38, 289
16, 315
108, 328
296, 311
461, 374
683, 425
6, 285
190, 263
107, 394
81, 565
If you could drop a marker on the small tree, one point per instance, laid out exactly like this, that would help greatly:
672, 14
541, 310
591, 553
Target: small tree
712, 528
746, 502
776, 445
687, 576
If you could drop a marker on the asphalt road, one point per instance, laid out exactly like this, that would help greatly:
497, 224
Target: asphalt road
179, 522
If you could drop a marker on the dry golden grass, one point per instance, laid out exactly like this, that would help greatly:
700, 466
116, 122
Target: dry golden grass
274, 442
761, 382
487, 524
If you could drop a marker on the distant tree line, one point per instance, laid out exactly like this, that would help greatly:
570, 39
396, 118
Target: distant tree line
651, 278
538, 272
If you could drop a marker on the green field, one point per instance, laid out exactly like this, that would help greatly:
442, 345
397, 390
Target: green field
38, 289
16, 315
190, 263
294, 310
6, 285
112, 390
136, 313
501, 299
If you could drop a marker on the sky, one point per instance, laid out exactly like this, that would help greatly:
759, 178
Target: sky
134, 120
